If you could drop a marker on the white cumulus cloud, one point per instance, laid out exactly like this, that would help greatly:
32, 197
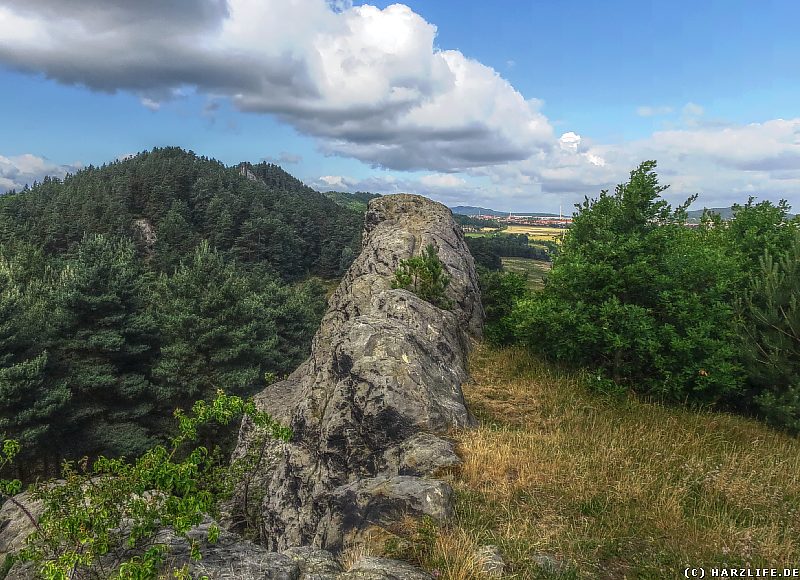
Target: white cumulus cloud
442, 180
368, 82
372, 84
334, 181
20, 170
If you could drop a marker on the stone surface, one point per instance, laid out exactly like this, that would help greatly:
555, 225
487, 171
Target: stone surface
381, 501
547, 562
381, 386
15, 525
315, 564
231, 557
422, 454
371, 568
369, 409
490, 561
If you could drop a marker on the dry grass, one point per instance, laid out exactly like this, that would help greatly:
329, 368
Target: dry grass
570, 484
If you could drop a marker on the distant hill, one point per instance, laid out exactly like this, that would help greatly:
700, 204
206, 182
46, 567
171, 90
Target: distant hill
472, 210
726, 213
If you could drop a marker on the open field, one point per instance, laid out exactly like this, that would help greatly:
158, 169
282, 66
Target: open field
571, 484
536, 232
533, 232
535, 269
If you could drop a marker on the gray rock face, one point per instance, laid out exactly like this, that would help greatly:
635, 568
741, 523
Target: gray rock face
382, 382
15, 523
315, 564
368, 410
383, 569
230, 557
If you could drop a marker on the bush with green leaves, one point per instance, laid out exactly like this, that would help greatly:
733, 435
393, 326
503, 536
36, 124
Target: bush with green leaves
425, 276
499, 292
651, 304
640, 297
102, 521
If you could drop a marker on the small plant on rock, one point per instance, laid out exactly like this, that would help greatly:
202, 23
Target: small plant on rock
424, 275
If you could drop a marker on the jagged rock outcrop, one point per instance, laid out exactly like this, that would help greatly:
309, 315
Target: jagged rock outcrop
147, 234
367, 408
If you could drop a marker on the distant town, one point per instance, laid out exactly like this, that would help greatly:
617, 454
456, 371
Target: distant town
529, 220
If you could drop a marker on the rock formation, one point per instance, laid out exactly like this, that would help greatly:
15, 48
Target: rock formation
367, 408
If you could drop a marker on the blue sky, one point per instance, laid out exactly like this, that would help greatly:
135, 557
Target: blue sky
508, 104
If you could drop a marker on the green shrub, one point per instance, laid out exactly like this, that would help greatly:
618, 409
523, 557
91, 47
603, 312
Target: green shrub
639, 297
771, 337
115, 507
424, 275
499, 293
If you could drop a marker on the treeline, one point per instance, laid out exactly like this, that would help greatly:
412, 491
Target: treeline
141, 286
356, 201
487, 250
707, 316
467, 220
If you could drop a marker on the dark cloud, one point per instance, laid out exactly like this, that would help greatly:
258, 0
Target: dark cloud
783, 161
103, 16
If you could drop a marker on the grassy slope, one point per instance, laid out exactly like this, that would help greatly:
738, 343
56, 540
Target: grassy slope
535, 269
570, 484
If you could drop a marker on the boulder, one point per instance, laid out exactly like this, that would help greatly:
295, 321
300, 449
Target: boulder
370, 411
490, 561
371, 406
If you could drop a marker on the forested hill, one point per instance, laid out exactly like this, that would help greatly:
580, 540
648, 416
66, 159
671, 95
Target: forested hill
274, 221
357, 200
131, 289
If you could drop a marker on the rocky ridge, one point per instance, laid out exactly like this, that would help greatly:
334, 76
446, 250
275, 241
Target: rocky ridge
369, 407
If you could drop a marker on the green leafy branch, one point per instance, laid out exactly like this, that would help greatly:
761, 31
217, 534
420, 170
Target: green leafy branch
105, 520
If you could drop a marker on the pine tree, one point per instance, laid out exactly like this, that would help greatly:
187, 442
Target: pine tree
27, 406
771, 337
174, 238
214, 336
106, 348
425, 276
